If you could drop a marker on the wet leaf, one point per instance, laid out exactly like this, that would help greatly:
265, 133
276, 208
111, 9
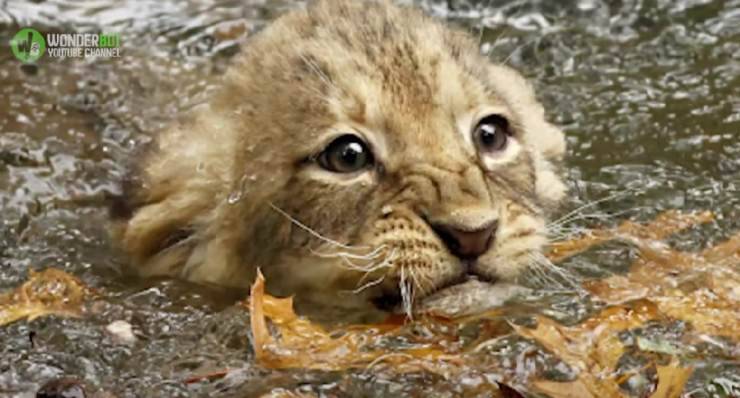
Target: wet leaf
701, 289
48, 292
573, 389
576, 348
671, 380
302, 344
283, 393
662, 286
657, 345
666, 224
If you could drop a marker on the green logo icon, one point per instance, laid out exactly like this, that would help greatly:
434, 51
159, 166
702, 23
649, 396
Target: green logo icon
28, 45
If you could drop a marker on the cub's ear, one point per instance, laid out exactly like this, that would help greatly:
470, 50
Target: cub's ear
552, 142
548, 139
172, 193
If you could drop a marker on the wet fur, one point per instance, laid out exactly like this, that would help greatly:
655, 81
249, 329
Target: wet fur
233, 187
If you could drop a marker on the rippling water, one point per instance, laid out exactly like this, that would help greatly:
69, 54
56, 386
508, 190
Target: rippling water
648, 92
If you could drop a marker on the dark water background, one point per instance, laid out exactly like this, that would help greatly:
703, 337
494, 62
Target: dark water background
648, 92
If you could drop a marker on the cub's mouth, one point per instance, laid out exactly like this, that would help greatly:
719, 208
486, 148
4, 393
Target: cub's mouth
449, 279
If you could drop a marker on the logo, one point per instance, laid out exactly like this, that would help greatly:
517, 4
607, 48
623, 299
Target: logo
28, 45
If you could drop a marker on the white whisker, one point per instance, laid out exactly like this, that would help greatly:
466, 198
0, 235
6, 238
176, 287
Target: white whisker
407, 294
377, 252
590, 204
309, 230
553, 276
369, 284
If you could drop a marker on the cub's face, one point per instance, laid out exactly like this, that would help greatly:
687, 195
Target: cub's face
361, 155
398, 162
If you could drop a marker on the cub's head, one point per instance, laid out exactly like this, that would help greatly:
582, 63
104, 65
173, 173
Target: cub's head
361, 155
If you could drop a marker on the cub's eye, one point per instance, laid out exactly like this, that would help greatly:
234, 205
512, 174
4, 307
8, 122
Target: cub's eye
346, 154
491, 133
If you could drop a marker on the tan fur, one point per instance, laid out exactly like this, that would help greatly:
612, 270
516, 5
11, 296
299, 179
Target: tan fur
213, 200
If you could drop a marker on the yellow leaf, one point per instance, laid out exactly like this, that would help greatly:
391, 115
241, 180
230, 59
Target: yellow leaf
671, 380
573, 389
48, 292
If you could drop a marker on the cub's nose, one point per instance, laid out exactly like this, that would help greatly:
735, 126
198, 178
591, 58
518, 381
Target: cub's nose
466, 244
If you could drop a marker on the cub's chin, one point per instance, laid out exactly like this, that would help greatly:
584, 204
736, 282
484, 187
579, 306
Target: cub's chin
469, 297
465, 296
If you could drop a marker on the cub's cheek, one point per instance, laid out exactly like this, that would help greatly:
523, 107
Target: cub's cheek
519, 238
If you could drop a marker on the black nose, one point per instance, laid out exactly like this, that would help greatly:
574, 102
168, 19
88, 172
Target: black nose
466, 244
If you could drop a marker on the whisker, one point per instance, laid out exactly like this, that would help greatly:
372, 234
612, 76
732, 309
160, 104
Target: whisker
595, 202
369, 284
518, 48
368, 268
316, 69
407, 294
591, 216
377, 252
309, 230
386, 263
553, 276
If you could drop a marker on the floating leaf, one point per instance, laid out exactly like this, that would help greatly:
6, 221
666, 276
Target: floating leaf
666, 224
702, 289
671, 380
302, 344
657, 345
573, 389
575, 347
48, 292
663, 285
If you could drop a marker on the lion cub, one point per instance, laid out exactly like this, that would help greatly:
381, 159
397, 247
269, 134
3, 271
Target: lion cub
362, 155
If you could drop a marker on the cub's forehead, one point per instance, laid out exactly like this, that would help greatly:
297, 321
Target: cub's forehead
421, 89
382, 55
412, 73
380, 65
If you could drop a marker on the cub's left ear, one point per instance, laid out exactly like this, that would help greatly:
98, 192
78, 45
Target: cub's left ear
549, 185
544, 136
551, 141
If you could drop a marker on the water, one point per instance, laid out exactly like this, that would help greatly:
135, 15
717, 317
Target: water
648, 92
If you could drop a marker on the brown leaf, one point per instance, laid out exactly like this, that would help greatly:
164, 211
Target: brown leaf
666, 224
302, 344
575, 347
573, 389
662, 284
671, 380
48, 292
